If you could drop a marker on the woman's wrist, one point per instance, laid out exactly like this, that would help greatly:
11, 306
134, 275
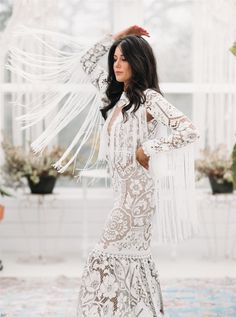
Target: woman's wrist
118, 35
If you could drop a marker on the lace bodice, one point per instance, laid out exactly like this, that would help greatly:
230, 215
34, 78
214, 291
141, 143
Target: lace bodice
183, 130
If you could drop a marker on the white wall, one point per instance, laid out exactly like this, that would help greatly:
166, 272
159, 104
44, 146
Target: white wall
59, 224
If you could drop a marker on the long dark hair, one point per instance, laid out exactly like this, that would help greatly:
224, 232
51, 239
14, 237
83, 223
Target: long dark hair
139, 55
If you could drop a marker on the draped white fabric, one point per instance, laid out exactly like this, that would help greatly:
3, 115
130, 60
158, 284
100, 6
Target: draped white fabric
214, 71
31, 13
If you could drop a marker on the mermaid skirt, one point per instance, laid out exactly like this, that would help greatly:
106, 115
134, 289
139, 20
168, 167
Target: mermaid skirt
120, 278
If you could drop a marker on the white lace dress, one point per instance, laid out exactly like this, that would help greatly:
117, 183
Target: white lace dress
120, 277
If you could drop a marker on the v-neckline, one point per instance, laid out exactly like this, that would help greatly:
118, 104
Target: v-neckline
117, 111
113, 119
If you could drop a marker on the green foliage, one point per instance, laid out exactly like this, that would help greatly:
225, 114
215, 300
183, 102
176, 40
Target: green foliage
3, 192
233, 49
234, 165
5, 13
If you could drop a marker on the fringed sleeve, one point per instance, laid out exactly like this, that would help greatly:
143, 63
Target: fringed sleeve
172, 169
61, 67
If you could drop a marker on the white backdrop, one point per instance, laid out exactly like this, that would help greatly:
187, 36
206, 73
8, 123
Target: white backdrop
215, 71
213, 83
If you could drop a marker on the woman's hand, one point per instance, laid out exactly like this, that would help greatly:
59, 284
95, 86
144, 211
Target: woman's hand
132, 30
142, 158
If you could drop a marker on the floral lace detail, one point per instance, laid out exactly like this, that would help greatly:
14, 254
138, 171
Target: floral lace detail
183, 131
118, 226
89, 62
129, 224
120, 286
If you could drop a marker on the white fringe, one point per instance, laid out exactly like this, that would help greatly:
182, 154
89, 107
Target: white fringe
176, 216
57, 63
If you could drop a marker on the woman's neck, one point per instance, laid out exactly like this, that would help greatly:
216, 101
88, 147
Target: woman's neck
125, 86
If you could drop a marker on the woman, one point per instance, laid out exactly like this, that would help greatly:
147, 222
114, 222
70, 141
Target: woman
151, 173
120, 278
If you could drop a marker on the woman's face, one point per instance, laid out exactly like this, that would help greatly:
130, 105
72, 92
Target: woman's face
121, 67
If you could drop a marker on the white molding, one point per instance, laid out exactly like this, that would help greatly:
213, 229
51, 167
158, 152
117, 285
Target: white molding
168, 87
67, 218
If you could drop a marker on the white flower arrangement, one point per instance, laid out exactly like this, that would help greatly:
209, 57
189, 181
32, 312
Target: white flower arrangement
21, 164
215, 163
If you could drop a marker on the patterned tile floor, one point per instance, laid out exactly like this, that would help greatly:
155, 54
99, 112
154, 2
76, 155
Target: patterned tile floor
57, 297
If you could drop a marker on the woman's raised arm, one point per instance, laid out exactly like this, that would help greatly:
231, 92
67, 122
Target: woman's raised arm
90, 59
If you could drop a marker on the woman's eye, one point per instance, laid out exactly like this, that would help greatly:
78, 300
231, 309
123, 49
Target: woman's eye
123, 60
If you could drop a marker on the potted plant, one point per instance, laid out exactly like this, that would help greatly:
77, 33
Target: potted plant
3, 192
234, 166
217, 166
233, 50
38, 170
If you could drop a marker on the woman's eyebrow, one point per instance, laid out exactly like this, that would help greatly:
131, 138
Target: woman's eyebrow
116, 55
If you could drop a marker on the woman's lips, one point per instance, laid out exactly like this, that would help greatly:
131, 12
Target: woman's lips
118, 73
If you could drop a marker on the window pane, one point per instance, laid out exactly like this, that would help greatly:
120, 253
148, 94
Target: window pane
170, 25
181, 101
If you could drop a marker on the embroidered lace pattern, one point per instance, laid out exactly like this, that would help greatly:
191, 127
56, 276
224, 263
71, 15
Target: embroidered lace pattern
183, 131
89, 63
120, 286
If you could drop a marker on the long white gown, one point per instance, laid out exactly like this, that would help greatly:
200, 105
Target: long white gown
120, 277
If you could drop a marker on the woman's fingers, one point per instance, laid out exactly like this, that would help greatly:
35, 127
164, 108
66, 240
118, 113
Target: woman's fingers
145, 164
141, 31
138, 30
142, 158
132, 30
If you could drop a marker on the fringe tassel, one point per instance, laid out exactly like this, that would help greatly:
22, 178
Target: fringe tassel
144, 125
140, 124
112, 144
135, 136
117, 141
87, 129
103, 148
176, 215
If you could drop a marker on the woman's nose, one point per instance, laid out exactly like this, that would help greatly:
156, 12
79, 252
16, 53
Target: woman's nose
117, 63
